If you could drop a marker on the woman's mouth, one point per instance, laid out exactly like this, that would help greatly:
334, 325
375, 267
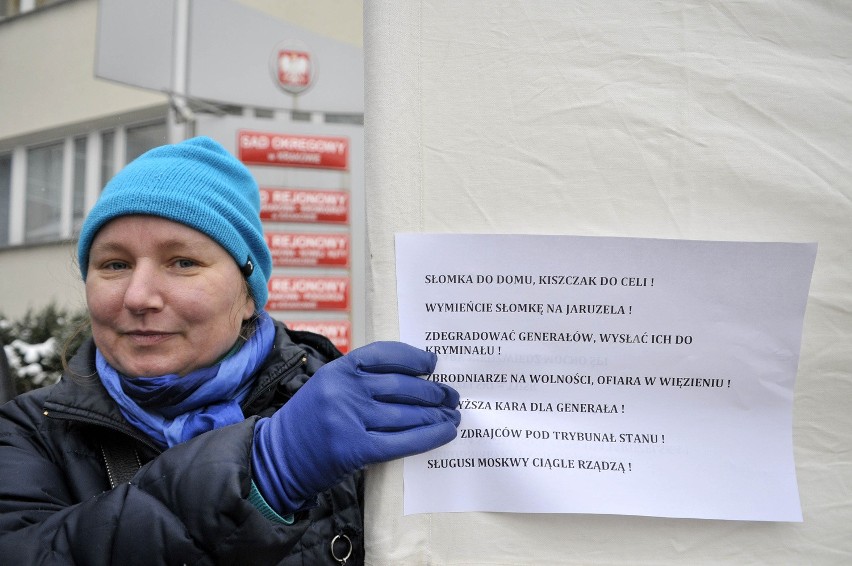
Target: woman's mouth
147, 337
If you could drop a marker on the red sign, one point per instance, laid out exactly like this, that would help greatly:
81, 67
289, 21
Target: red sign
338, 331
289, 205
308, 293
286, 150
308, 250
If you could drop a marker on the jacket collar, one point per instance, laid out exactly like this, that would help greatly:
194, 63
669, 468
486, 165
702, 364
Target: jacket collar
81, 395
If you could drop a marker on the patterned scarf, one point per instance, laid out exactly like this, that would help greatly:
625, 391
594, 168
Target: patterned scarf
172, 409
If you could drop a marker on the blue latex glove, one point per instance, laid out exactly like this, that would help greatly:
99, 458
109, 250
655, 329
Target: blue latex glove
362, 408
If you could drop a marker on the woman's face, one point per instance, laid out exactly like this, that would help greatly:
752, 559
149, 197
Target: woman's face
163, 297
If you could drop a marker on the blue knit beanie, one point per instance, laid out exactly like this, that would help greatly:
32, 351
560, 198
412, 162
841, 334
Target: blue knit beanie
197, 183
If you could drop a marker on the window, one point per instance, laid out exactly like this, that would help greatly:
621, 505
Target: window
142, 138
5, 196
46, 188
44, 193
78, 186
107, 157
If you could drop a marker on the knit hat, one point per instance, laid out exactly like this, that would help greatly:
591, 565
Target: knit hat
197, 183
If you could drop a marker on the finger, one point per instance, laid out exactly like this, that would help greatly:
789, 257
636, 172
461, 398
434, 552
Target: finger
393, 445
395, 417
408, 390
393, 357
451, 396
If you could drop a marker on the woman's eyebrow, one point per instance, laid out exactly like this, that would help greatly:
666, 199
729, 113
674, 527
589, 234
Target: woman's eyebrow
106, 247
171, 245
184, 245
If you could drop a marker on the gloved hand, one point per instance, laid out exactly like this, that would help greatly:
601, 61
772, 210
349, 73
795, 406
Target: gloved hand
362, 408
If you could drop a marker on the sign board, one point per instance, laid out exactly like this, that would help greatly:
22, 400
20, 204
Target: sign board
304, 205
313, 219
338, 331
234, 54
289, 150
308, 293
308, 249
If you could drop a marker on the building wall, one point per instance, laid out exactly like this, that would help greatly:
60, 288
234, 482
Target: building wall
48, 76
49, 92
342, 20
36, 276
49, 81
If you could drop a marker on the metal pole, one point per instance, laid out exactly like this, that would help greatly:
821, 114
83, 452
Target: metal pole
180, 120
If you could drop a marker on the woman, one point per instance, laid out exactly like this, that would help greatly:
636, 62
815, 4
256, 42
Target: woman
187, 430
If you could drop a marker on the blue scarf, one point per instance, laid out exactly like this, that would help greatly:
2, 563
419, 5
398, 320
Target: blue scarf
172, 409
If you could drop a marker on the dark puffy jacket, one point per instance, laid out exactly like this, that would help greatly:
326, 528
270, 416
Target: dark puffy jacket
186, 505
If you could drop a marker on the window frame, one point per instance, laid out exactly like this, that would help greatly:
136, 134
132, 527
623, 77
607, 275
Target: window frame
92, 179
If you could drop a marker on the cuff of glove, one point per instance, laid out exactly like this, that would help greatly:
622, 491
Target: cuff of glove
256, 499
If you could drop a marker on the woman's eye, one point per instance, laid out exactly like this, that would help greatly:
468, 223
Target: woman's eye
185, 263
115, 266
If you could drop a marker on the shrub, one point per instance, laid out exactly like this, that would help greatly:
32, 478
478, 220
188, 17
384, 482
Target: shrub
34, 344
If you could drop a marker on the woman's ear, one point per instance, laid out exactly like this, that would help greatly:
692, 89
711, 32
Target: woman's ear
250, 307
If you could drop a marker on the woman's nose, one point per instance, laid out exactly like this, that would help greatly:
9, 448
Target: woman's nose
144, 289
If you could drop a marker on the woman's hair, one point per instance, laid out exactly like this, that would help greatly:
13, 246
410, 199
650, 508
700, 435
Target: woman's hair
249, 325
70, 347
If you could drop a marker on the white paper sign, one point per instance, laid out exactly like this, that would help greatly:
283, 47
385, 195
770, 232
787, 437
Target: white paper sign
608, 375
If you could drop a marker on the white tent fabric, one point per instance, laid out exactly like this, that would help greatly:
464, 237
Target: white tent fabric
702, 120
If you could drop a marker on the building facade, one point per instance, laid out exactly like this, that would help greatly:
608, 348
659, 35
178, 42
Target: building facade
65, 131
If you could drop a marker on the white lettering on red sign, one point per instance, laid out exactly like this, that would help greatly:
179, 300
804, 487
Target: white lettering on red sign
308, 293
339, 332
299, 205
293, 150
308, 250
